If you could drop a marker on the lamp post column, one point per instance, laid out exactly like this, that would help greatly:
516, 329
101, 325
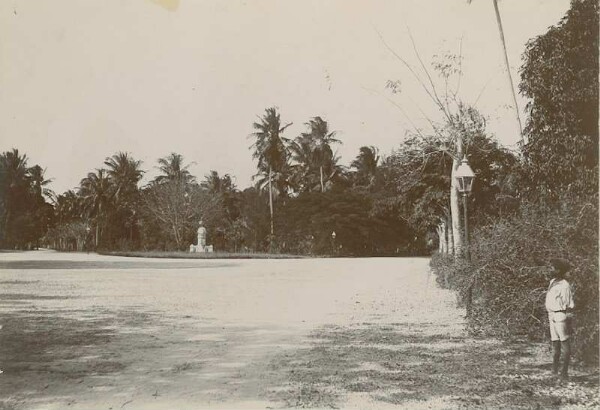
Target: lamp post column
466, 218
467, 251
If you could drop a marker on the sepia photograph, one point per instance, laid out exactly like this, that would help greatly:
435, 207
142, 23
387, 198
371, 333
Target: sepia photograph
280, 204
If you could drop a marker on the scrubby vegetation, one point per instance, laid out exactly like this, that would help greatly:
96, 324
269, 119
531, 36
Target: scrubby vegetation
509, 271
556, 197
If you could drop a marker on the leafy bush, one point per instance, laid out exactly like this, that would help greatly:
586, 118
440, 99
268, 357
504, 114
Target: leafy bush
509, 272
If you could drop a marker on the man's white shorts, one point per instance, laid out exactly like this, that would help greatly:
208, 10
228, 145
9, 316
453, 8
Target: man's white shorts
559, 327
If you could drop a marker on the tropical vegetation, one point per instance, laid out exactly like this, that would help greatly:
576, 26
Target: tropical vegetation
526, 206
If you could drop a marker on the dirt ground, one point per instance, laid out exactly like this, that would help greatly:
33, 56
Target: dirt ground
102, 332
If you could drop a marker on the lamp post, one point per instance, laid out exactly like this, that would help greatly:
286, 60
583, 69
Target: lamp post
87, 235
465, 176
333, 235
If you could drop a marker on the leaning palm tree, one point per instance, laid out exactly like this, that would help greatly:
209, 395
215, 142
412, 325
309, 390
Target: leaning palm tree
506, 63
321, 140
96, 192
269, 150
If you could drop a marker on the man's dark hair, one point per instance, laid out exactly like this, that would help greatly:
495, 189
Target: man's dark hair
561, 265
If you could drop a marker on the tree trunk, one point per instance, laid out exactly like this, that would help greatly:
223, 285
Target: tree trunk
97, 233
510, 81
449, 236
444, 239
271, 201
322, 185
177, 238
454, 199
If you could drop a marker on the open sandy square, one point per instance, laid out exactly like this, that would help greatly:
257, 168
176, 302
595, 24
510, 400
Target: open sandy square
97, 332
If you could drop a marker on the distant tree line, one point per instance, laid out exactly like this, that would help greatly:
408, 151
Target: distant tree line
303, 202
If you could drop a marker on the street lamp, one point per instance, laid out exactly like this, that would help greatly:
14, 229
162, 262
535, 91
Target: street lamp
333, 235
87, 235
465, 176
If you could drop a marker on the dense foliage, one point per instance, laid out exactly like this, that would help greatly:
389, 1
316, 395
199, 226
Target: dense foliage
560, 77
25, 213
554, 195
308, 223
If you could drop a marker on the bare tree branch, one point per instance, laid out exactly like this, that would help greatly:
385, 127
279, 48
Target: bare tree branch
397, 106
403, 61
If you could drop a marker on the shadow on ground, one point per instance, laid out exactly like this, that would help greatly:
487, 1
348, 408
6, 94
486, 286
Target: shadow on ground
112, 358
100, 358
404, 365
93, 264
46, 353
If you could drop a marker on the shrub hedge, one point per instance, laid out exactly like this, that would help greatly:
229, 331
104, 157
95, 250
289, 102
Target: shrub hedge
509, 273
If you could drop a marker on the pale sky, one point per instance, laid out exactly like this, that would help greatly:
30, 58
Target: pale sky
82, 79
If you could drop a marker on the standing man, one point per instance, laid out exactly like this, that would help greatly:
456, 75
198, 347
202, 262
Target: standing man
559, 304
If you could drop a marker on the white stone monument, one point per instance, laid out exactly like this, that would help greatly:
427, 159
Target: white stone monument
201, 244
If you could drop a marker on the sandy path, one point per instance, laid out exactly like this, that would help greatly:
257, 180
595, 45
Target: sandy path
138, 333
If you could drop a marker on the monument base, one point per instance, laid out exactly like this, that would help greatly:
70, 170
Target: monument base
201, 249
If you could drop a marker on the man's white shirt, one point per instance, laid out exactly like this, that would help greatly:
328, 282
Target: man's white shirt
559, 296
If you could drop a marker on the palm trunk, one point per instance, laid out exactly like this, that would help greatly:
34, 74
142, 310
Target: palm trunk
271, 201
449, 237
322, 185
510, 81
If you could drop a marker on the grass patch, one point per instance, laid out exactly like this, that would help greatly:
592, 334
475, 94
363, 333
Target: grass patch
207, 255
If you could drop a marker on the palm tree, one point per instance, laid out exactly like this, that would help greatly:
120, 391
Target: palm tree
270, 150
124, 173
172, 169
38, 182
96, 192
302, 175
321, 140
68, 207
13, 167
14, 183
506, 63
216, 184
366, 164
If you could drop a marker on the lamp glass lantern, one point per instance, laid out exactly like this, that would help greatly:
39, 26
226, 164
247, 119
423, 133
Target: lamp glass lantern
465, 176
